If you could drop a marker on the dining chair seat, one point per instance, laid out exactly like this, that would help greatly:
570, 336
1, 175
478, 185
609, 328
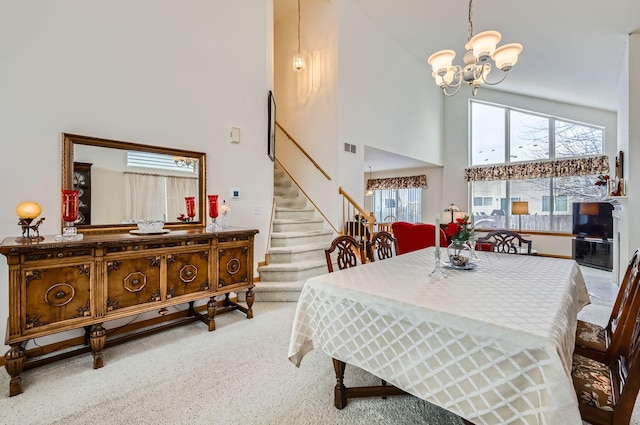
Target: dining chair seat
593, 340
607, 387
607, 391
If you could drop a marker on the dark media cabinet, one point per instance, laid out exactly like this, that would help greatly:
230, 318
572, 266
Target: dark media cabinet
596, 253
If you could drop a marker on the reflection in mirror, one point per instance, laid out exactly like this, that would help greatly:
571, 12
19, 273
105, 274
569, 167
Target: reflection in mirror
121, 183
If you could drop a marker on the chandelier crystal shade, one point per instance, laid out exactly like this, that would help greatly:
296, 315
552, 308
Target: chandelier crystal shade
480, 49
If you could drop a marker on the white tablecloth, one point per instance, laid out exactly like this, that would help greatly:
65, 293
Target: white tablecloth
492, 345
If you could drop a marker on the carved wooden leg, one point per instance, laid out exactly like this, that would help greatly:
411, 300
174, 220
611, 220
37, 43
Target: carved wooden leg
191, 311
212, 307
14, 363
97, 339
340, 391
250, 297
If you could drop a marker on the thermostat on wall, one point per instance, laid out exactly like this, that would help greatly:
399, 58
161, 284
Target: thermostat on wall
234, 194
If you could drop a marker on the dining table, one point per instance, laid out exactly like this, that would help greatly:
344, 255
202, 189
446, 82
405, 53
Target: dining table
491, 342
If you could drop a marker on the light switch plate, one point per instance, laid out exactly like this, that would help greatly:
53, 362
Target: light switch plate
235, 135
234, 194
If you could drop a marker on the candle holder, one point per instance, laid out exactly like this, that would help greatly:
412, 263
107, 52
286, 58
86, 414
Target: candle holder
437, 273
190, 202
70, 203
27, 212
225, 210
213, 213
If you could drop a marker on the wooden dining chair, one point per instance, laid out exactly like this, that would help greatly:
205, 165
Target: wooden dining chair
505, 241
348, 253
603, 343
607, 391
381, 245
415, 236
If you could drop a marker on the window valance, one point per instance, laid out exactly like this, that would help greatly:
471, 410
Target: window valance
398, 183
540, 169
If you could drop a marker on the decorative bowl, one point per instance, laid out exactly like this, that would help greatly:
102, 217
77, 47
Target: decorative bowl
150, 226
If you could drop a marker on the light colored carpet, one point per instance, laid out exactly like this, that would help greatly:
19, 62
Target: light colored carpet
238, 374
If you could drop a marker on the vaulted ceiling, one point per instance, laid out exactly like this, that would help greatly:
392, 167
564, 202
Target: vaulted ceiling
573, 49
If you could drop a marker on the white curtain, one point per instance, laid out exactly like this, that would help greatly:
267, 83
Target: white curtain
144, 194
177, 189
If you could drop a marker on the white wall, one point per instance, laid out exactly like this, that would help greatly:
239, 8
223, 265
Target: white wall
631, 104
360, 87
307, 100
457, 152
387, 99
158, 72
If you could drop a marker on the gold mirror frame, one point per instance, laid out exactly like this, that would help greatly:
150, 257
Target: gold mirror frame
70, 140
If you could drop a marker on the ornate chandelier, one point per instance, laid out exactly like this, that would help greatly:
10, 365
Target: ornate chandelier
480, 48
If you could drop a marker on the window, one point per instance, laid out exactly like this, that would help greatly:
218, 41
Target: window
502, 135
397, 204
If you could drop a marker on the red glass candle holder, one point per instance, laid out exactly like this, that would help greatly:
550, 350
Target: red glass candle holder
213, 206
70, 202
191, 206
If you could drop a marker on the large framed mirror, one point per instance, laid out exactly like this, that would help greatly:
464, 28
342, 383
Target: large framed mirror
120, 183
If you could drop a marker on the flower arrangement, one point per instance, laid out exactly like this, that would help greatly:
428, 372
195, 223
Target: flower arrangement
460, 230
602, 180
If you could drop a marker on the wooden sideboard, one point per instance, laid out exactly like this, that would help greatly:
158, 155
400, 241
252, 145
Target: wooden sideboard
60, 286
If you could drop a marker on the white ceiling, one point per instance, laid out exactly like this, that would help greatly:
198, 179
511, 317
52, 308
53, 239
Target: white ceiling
573, 49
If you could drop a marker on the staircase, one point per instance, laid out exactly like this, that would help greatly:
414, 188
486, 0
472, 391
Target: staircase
298, 241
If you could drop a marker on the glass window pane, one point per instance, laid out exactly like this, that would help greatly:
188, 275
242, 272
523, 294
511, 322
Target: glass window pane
490, 214
532, 191
577, 140
528, 137
568, 190
487, 134
397, 204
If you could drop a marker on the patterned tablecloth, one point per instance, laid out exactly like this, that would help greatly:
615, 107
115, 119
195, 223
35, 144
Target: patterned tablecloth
492, 344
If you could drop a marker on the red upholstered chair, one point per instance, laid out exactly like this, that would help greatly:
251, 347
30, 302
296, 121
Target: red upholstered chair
415, 236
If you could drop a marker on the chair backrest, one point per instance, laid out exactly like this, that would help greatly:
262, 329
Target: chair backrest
625, 309
505, 241
625, 376
415, 236
382, 245
349, 251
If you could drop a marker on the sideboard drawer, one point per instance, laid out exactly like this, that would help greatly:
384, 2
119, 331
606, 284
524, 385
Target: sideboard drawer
53, 296
187, 273
132, 282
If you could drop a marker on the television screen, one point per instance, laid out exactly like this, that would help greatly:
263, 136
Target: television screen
593, 219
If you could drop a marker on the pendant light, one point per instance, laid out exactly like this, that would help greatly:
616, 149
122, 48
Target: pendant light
298, 60
369, 190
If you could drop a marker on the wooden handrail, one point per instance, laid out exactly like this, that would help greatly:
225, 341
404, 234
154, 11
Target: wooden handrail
347, 217
352, 201
308, 197
324, 173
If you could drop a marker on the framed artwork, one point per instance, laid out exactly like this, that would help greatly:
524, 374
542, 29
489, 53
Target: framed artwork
271, 130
